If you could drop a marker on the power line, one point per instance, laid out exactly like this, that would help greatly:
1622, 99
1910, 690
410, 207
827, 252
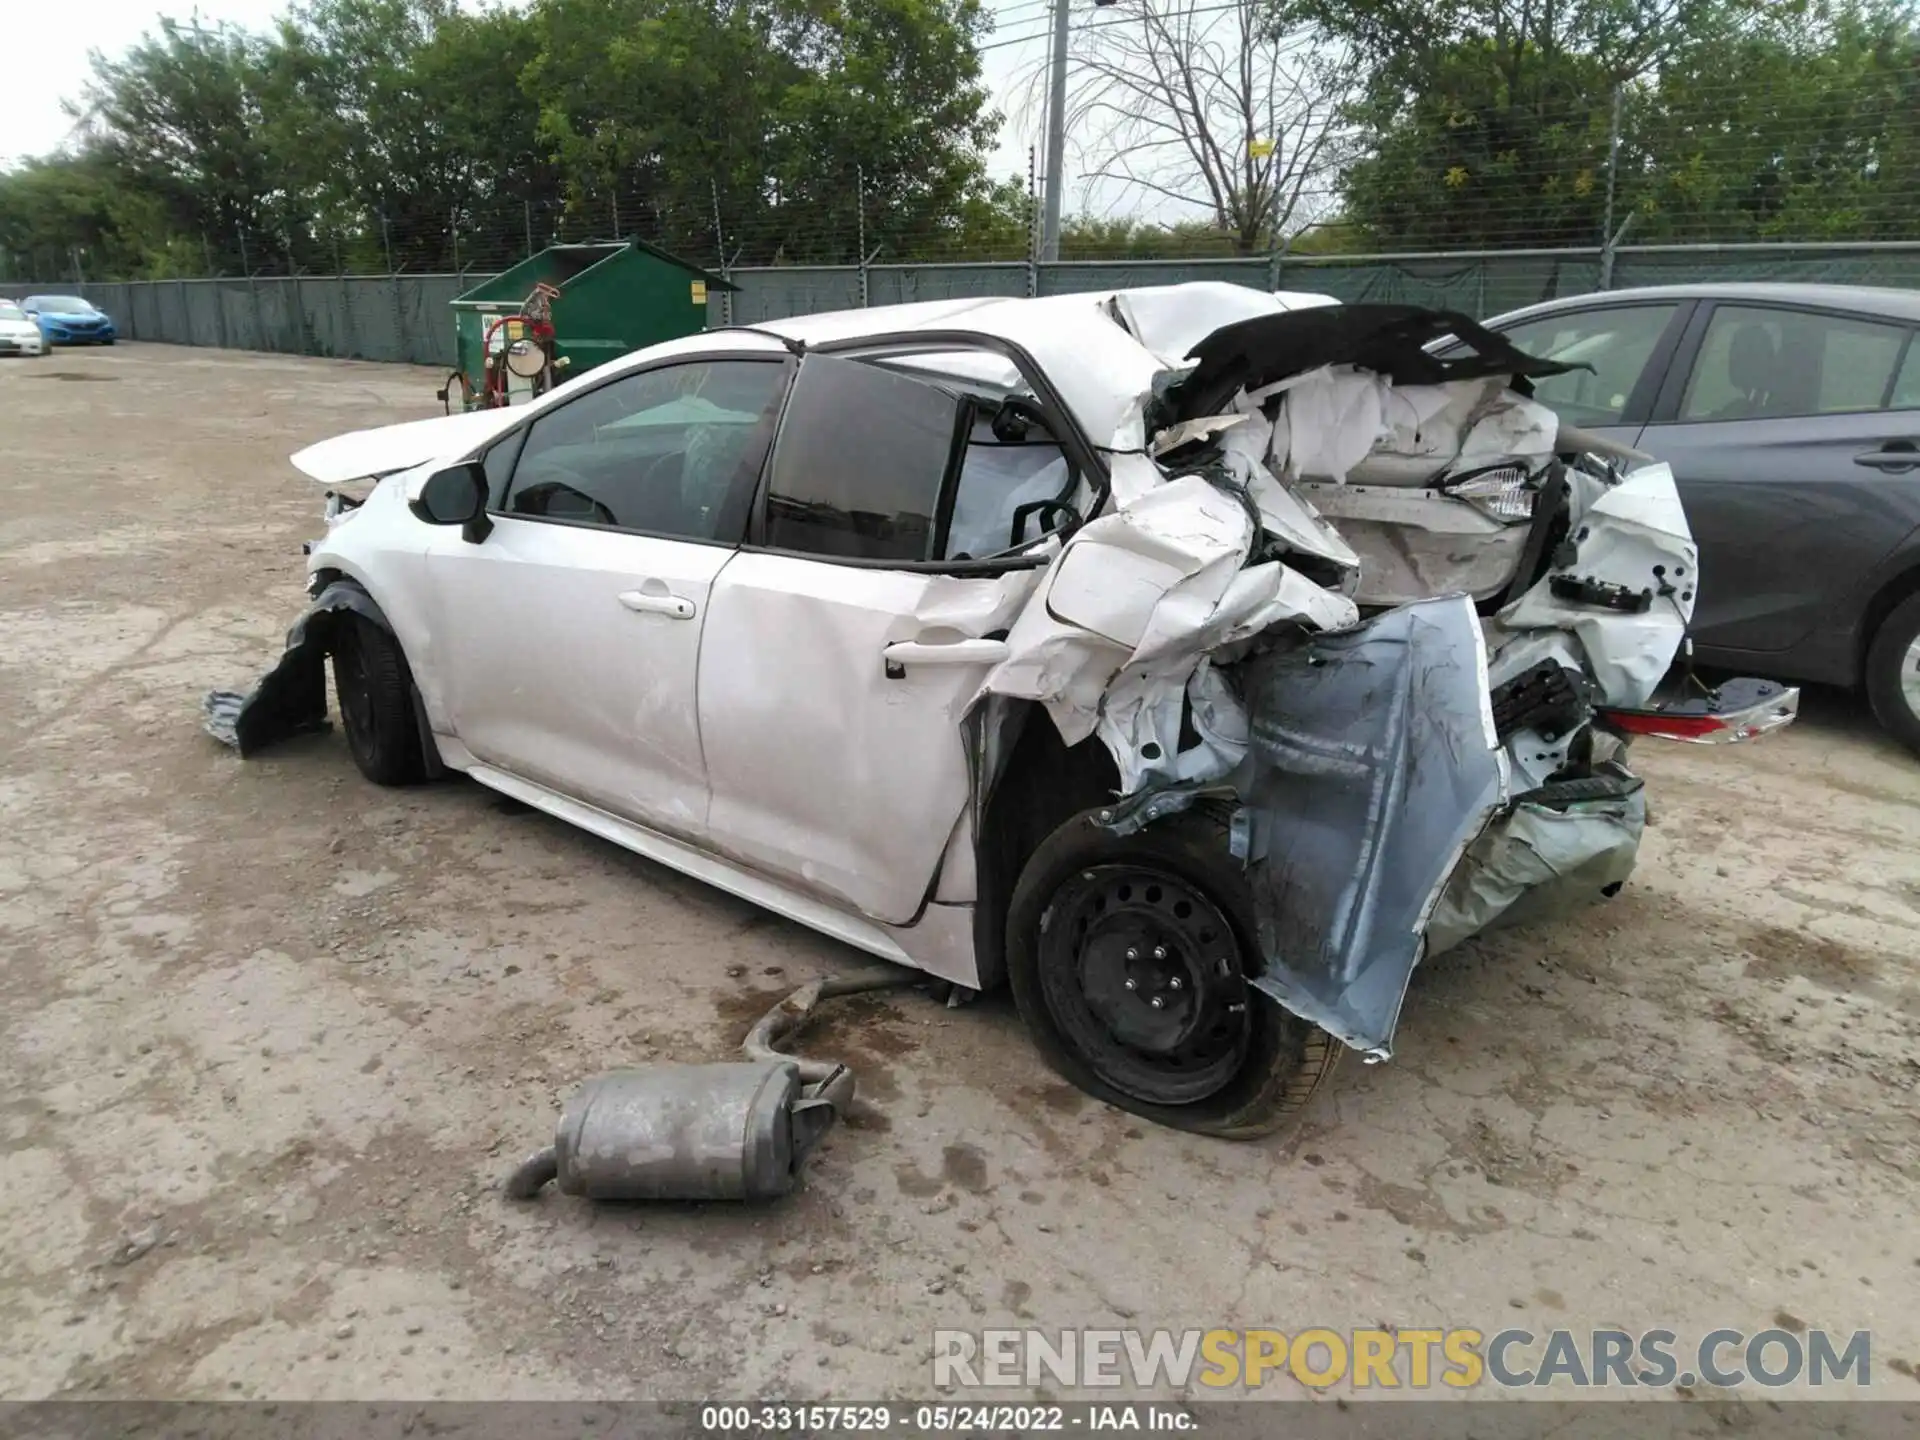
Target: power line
1106, 24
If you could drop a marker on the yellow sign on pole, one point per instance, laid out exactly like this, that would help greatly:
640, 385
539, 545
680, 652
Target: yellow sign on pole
1260, 149
699, 292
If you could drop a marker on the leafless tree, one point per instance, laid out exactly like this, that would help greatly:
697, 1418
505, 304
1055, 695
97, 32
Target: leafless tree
1211, 106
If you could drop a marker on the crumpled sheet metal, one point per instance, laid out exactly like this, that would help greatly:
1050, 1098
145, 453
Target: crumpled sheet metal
1373, 764
1131, 605
1339, 423
1536, 861
1622, 535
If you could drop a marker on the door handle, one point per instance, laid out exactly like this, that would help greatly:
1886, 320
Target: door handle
676, 607
1895, 457
902, 653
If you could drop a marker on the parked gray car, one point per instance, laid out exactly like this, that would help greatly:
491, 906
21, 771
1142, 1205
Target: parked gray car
1791, 417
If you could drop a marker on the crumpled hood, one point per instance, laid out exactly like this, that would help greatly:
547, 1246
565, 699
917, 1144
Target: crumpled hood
366, 454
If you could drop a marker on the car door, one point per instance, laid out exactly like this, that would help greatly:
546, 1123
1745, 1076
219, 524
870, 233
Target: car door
569, 637
847, 640
1787, 429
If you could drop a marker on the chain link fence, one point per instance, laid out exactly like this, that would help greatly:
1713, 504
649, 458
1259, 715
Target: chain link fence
406, 318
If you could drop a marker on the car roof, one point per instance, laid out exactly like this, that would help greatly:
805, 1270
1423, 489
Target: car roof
1101, 371
1881, 301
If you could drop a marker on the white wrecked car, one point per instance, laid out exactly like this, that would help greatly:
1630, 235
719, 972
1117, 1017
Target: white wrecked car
1193, 659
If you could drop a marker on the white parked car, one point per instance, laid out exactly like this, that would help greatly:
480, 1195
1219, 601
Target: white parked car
1191, 658
19, 333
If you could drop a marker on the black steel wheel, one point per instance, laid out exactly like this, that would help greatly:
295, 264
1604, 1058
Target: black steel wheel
375, 690
1128, 958
1138, 970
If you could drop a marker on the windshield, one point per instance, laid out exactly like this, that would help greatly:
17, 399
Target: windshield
64, 304
11, 311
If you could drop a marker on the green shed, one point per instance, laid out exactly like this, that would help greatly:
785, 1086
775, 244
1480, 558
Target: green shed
614, 298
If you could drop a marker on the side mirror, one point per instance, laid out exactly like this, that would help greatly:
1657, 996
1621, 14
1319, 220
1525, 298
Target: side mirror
456, 495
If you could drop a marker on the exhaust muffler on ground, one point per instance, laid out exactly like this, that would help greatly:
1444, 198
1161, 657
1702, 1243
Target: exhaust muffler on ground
737, 1130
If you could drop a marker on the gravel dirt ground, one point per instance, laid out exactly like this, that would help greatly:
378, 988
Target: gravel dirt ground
272, 1035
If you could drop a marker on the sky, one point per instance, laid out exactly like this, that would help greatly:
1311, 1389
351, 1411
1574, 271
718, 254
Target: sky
49, 42
57, 37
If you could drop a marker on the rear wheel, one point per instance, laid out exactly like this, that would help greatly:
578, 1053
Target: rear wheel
1129, 957
1893, 673
375, 688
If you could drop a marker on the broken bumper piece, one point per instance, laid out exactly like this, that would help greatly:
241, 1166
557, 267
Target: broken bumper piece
1553, 852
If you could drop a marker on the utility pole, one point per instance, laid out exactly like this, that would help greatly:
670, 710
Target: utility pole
1609, 242
1056, 135
720, 250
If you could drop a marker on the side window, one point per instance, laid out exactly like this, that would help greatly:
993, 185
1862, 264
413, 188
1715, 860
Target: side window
1757, 362
999, 474
673, 451
1617, 342
862, 457
1906, 385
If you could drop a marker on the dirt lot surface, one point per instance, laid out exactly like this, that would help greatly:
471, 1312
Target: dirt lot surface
272, 1035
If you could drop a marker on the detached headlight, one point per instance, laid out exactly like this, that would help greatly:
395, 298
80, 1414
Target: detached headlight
1504, 492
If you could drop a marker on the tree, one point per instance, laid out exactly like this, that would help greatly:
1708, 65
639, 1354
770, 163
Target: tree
785, 118
179, 120
1808, 130
1221, 109
1491, 123
446, 137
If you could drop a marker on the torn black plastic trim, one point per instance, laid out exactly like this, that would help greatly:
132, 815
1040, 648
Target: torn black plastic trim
1390, 340
291, 698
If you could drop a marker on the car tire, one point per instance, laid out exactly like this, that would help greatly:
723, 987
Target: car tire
1893, 673
1089, 916
375, 691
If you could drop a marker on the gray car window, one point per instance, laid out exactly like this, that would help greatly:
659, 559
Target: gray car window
662, 452
1758, 362
1616, 341
862, 455
1906, 385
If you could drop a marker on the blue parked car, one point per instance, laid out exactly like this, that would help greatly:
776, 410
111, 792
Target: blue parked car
69, 320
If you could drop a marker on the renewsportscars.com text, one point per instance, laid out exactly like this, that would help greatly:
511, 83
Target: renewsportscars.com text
1413, 1359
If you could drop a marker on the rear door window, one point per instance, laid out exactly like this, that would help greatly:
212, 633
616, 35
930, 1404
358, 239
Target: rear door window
861, 461
1616, 342
898, 458
1758, 362
1906, 385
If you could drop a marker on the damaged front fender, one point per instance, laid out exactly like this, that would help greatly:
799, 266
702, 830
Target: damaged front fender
291, 698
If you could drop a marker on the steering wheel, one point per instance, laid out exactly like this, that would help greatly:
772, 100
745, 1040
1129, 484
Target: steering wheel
555, 484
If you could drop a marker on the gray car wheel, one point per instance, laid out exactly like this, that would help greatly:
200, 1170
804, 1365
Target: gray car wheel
1893, 673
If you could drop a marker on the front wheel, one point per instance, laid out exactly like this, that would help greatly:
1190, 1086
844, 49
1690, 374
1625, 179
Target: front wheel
375, 688
1893, 673
1129, 957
